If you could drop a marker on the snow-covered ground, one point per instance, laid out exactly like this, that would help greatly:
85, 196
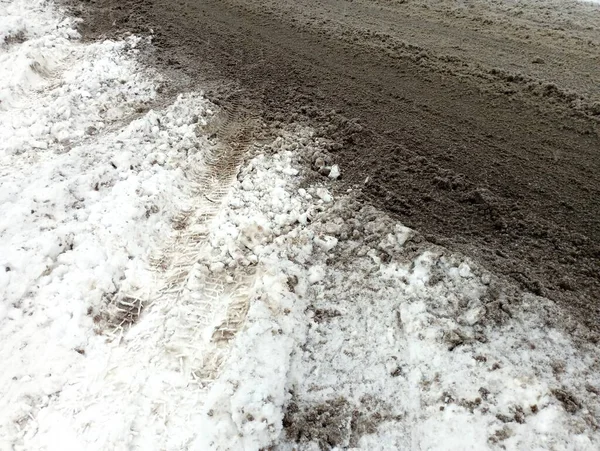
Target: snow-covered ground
153, 296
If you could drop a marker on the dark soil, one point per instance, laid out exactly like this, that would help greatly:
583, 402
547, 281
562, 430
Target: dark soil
477, 126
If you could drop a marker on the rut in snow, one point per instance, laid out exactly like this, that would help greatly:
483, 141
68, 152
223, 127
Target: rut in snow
211, 308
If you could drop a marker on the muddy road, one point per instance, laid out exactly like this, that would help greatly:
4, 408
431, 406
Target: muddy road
476, 122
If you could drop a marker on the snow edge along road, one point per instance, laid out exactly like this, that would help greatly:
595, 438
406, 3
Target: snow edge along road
300, 319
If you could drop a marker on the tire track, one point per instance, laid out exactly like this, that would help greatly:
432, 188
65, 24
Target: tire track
210, 309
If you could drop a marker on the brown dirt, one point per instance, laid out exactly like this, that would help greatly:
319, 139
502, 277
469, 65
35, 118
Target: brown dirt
476, 122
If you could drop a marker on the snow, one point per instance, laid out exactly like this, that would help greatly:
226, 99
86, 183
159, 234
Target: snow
155, 298
87, 186
335, 172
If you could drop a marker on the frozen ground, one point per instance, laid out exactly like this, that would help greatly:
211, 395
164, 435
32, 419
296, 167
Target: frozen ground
160, 291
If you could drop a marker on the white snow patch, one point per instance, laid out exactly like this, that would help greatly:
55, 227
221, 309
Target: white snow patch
335, 172
86, 194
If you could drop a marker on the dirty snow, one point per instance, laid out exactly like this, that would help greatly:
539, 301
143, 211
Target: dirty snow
148, 302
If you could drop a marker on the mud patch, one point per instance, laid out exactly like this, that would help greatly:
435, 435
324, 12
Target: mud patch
567, 399
336, 422
15, 38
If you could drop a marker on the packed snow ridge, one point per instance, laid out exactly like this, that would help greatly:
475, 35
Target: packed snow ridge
161, 290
